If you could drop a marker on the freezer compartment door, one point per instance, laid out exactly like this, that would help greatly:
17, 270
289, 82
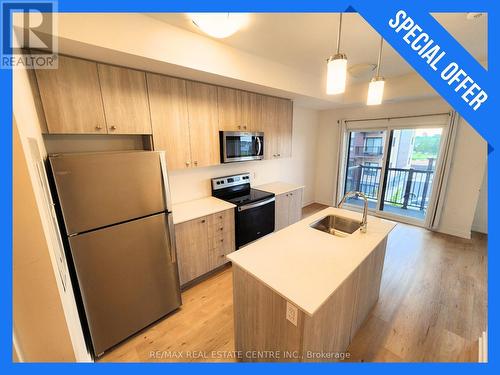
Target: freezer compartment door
127, 277
100, 189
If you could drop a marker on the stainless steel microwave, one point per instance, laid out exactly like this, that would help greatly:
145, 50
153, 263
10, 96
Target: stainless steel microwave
241, 146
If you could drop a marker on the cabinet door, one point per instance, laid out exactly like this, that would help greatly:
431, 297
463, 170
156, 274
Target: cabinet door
270, 126
282, 208
295, 208
125, 99
191, 239
221, 237
229, 105
203, 123
71, 97
169, 119
251, 111
284, 124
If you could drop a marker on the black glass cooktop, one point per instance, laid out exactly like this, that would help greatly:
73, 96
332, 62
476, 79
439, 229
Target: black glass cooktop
253, 195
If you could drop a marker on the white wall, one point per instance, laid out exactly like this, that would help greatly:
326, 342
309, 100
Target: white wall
466, 174
299, 169
480, 223
29, 126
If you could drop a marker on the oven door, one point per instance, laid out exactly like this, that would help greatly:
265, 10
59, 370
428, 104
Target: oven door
254, 220
241, 146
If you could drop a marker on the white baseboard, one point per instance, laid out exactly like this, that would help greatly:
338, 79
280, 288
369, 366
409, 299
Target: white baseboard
455, 232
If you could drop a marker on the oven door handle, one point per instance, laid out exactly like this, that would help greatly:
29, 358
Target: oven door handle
259, 145
258, 204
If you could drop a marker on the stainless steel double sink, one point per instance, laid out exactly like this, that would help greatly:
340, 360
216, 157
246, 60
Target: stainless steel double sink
336, 225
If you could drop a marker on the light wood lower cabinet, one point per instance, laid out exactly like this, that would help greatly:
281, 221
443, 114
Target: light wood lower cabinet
203, 243
261, 325
288, 208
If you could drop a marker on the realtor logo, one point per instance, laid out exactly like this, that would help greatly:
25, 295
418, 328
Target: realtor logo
28, 30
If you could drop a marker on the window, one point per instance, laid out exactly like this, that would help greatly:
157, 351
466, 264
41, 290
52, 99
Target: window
373, 145
398, 180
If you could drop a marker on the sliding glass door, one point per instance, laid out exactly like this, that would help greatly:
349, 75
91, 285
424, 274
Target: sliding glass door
395, 167
364, 165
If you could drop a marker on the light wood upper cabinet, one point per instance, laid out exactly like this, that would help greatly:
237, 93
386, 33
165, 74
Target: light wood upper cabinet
169, 119
270, 126
284, 132
125, 99
71, 97
229, 105
238, 110
251, 111
277, 124
203, 123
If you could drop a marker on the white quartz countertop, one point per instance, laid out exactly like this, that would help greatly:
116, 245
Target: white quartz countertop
304, 265
197, 208
278, 187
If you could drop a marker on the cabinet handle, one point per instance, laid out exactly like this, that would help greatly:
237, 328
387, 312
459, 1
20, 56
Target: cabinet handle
220, 217
221, 229
113, 127
187, 164
203, 221
244, 127
222, 240
98, 127
279, 154
239, 127
196, 163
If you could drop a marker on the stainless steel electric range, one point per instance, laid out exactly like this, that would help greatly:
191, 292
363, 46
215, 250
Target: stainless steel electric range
254, 208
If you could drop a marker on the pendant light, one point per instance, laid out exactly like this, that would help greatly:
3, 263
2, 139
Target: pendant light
336, 73
376, 87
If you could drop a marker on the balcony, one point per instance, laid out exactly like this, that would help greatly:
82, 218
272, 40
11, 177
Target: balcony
368, 150
407, 190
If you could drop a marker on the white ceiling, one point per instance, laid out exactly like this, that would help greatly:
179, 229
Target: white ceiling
304, 40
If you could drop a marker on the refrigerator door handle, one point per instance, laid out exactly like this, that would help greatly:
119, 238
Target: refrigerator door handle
166, 185
171, 235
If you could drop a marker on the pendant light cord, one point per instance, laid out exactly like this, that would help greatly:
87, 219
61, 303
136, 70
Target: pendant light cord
379, 56
338, 36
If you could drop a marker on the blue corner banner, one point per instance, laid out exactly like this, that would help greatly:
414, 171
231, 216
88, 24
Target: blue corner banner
447, 66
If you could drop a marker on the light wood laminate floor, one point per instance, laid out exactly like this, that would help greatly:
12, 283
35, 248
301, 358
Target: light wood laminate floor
432, 307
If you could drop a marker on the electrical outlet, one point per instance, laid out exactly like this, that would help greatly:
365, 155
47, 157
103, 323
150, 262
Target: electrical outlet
291, 313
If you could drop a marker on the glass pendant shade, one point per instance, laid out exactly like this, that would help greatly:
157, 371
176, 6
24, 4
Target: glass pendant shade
336, 74
375, 91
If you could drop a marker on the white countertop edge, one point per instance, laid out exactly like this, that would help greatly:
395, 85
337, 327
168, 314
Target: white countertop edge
198, 208
311, 311
278, 187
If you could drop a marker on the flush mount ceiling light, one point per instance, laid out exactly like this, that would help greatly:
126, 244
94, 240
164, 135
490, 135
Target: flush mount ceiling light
473, 16
219, 25
376, 87
336, 73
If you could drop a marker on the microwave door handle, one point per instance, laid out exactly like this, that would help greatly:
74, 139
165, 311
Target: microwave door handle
259, 145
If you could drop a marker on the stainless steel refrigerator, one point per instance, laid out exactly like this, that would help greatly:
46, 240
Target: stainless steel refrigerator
116, 212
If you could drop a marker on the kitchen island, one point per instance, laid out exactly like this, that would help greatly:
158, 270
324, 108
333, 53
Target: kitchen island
301, 294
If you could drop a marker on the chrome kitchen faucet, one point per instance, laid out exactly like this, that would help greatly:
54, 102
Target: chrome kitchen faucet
349, 194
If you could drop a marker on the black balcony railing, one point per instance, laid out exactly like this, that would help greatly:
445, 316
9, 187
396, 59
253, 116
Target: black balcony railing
405, 187
368, 150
